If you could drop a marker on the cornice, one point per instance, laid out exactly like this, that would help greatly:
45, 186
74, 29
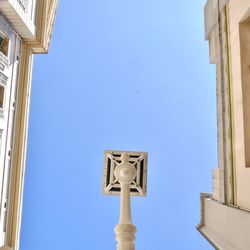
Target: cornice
46, 14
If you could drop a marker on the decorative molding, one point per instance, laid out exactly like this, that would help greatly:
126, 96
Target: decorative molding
219, 51
37, 36
19, 148
226, 154
44, 27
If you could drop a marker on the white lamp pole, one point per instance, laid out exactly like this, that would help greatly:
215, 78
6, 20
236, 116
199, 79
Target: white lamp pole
125, 231
125, 174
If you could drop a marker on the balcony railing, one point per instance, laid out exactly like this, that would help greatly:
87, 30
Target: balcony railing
4, 60
3, 79
24, 4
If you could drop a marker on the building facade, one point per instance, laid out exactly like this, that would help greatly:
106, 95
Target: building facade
25, 29
225, 214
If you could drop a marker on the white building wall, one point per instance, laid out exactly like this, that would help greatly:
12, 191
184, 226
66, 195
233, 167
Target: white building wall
16, 75
10, 71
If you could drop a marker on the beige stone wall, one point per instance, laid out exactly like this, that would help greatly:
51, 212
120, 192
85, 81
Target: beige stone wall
239, 10
225, 223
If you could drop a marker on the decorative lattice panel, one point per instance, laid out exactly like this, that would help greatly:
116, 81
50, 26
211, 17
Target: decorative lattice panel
5, 26
24, 4
111, 186
3, 79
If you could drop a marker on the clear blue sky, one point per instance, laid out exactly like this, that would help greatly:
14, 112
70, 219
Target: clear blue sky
127, 75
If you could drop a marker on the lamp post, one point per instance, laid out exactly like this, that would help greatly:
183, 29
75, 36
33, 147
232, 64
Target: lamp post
125, 231
125, 174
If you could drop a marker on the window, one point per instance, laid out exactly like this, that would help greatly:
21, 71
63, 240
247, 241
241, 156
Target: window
245, 79
4, 44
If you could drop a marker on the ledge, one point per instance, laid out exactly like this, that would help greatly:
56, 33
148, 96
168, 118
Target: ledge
37, 37
225, 227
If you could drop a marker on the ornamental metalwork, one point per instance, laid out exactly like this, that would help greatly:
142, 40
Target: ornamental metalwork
111, 185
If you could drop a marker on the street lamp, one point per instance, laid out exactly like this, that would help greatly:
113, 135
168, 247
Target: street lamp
125, 174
